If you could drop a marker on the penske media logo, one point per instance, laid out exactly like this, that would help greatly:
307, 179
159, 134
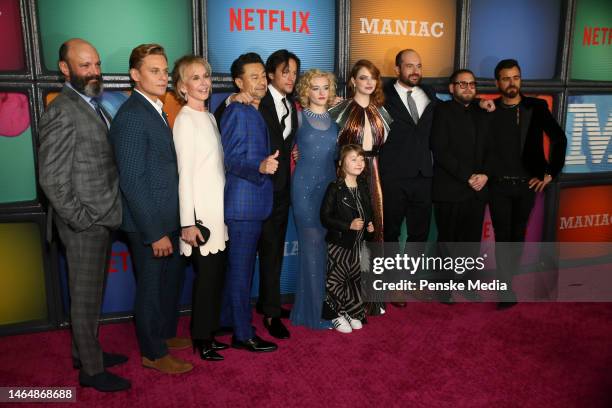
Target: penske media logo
585, 221
589, 143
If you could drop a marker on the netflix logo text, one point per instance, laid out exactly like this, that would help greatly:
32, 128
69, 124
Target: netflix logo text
251, 19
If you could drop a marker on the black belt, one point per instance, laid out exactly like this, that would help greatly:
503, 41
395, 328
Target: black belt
511, 179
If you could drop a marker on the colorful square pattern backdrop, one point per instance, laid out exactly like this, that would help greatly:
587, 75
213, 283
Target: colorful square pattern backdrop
380, 29
12, 56
115, 27
22, 292
304, 27
589, 134
525, 30
17, 173
592, 46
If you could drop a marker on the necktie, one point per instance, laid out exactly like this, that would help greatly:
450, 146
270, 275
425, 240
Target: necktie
96, 105
284, 118
412, 107
165, 116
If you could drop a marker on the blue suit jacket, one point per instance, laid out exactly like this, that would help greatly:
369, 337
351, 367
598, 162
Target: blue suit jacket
148, 175
244, 135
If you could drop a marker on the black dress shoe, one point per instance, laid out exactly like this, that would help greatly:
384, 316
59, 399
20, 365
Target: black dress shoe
399, 305
206, 351
254, 344
104, 382
217, 345
285, 313
109, 360
276, 328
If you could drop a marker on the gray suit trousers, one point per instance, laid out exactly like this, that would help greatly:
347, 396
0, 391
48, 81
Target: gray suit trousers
87, 253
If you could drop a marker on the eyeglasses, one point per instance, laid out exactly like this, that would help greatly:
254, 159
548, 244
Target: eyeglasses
464, 84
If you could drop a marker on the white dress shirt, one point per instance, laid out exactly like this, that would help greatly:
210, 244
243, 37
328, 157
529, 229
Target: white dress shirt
281, 109
420, 97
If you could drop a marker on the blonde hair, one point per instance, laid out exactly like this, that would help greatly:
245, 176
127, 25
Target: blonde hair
303, 85
178, 72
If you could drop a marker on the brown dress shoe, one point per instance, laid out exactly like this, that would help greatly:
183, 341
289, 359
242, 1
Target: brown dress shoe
168, 365
178, 343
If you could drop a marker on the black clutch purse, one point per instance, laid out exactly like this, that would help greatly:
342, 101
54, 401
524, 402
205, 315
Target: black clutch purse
204, 231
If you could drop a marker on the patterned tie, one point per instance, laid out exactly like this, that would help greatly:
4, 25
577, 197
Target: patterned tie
412, 107
284, 118
96, 104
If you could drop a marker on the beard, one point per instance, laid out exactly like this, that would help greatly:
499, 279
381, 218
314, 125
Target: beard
510, 92
84, 85
464, 99
410, 80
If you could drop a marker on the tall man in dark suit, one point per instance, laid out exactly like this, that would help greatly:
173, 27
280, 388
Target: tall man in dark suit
458, 144
518, 167
279, 113
405, 158
248, 196
148, 178
78, 175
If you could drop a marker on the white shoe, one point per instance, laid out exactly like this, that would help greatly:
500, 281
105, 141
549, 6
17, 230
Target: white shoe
341, 325
355, 324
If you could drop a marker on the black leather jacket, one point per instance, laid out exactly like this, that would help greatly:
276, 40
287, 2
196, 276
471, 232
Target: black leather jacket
339, 209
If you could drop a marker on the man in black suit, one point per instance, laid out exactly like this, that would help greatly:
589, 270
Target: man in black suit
458, 143
405, 158
278, 110
518, 166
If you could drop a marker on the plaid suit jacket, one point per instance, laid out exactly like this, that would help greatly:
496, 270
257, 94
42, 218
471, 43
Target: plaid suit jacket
76, 167
148, 175
244, 135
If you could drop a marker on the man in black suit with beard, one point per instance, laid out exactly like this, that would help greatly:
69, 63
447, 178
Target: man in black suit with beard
279, 112
405, 158
519, 168
458, 144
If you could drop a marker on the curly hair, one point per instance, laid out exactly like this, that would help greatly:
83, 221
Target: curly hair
377, 97
178, 72
303, 86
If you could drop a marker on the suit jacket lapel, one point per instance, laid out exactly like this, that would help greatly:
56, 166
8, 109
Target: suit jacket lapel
85, 107
397, 104
268, 110
525, 113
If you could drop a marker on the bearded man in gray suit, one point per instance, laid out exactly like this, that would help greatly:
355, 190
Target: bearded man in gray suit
77, 172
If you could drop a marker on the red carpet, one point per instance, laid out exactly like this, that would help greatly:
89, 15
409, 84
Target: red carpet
427, 355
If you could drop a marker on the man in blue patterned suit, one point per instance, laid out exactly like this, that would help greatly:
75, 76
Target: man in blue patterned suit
248, 196
148, 178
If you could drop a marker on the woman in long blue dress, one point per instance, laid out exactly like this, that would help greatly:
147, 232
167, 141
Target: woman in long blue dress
316, 141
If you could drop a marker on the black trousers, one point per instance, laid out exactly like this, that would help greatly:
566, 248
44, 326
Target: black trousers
159, 282
207, 293
271, 249
510, 205
460, 221
408, 198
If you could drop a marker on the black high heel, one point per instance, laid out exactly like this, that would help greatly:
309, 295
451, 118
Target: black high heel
206, 350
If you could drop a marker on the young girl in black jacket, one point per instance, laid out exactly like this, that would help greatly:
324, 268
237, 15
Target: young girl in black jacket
346, 212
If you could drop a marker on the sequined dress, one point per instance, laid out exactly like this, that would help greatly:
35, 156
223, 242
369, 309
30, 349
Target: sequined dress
316, 140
